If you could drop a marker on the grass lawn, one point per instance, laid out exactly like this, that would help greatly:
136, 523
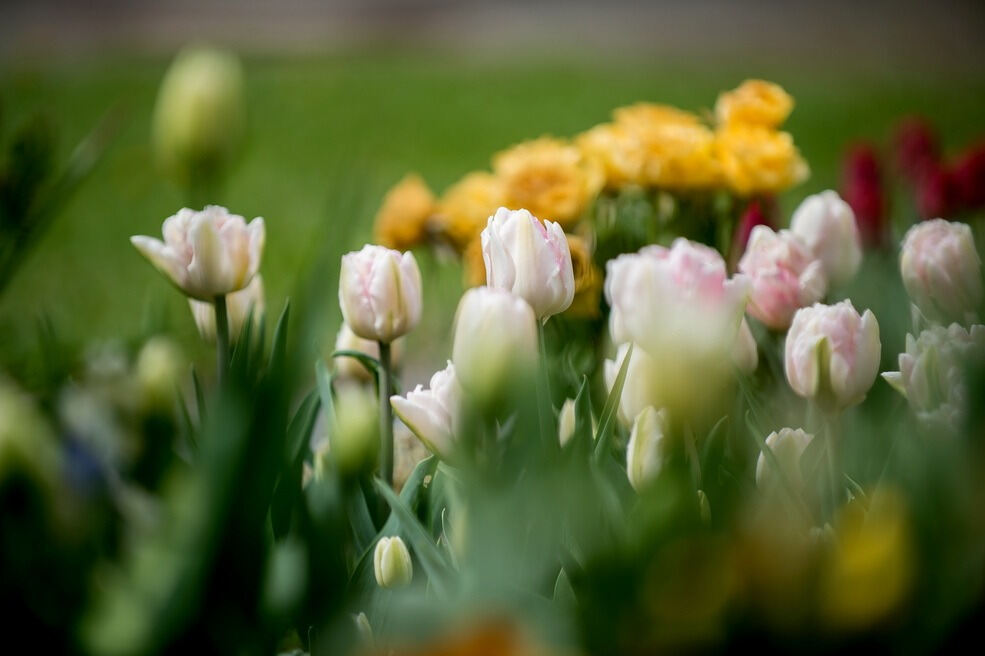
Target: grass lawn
327, 135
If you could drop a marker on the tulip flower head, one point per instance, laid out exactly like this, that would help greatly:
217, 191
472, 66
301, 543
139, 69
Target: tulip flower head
380, 293
644, 455
832, 354
206, 254
391, 563
641, 386
941, 270
826, 225
787, 445
432, 414
529, 258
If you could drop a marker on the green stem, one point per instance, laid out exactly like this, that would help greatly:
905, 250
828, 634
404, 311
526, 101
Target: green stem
221, 337
386, 416
835, 474
546, 409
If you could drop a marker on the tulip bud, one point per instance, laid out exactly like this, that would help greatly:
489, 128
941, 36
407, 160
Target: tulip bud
644, 454
432, 414
566, 422
785, 276
160, 365
238, 307
530, 259
380, 293
787, 445
495, 339
931, 373
826, 226
941, 270
745, 354
832, 353
641, 386
206, 254
355, 438
917, 148
391, 563
200, 114
348, 367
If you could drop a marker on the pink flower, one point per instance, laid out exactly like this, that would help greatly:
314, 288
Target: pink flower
832, 353
941, 270
785, 276
380, 293
826, 226
755, 214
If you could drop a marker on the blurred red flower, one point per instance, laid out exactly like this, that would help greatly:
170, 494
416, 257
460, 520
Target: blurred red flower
862, 188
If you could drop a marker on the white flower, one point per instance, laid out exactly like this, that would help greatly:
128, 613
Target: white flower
745, 353
826, 225
644, 454
206, 254
391, 563
432, 414
495, 338
238, 306
640, 387
941, 270
530, 259
380, 293
566, 422
787, 445
931, 372
832, 353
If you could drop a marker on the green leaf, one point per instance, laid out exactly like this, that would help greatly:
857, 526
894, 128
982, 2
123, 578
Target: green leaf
582, 437
563, 592
278, 353
363, 529
372, 364
199, 395
711, 453
607, 420
288, 488
323, 379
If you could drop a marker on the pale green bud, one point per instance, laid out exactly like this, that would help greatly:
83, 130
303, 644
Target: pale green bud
391, 563
355, 440
160, 365
644, 455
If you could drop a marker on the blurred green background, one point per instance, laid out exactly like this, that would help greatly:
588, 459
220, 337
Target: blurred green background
328, 134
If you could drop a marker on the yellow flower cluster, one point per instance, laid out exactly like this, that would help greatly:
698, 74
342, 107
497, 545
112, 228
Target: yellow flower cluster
403, 220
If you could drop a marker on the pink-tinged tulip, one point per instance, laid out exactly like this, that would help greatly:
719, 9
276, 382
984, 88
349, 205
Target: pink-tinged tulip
206, 254
932, 373
432, 414
969, 177
529, 258
644, 453
832, 354
916, 147
938, 194
380, 293
495, 338
787, 446
941, 270
238, 305
785, 276
862, 188
826, 225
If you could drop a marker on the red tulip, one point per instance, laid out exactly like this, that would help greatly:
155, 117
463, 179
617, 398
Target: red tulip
862, 188
938, 194
916, 147
969, 177
757, 212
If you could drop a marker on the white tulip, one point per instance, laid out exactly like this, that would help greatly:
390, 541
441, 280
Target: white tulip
391, 563
432, 414
238, 306
566, 422
530, 259
826, 225
941, 270
206, 254
644, 454
380, 293
787, 445
640, 386
832, 353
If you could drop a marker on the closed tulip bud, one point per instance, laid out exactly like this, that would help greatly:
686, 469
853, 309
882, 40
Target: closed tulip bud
832, 354
206, 254
566, 422
391, 563
787, 446
160, 366
941, 270
785, 276
432, 414
495, 339
530, 259
200, 114
355, 438
745, 355
348, 367
380, 293
238, 306
826, 225
644, 454
641, 386
931, 373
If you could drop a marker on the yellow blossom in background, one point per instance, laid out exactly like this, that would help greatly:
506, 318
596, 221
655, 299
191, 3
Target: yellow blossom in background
678, 151
616, 149
466, 206
871, 568
474, 266
754, 102
588, 280
549, 177
756, 159
403, 219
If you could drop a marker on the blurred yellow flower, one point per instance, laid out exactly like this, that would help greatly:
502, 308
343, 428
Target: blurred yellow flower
754, 102
588, 280
617, 150
403, 219
466, 206
678, 151
549, 177
756, 159
473, 264
871, 568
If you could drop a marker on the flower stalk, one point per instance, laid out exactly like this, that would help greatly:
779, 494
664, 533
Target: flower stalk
221, 336
386, 415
